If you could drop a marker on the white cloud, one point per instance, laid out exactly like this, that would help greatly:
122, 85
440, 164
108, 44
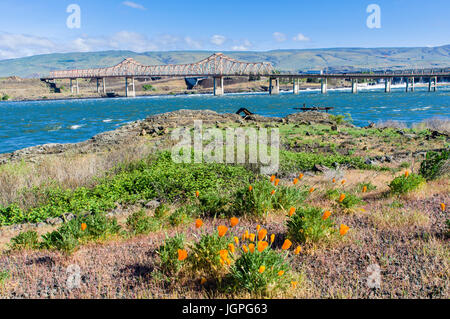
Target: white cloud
300, 37
192, 43
246, 45
218, 39
133, 5
15, 45
279, 37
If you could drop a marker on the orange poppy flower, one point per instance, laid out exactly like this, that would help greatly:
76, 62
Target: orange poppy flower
326, 215
258, 227
277, 181
222, 230
286, 245
341, 198
246, 234
334, 180
252, 237
406, 174
343, 229
443, 207
272, 238
343, 182
234, 221
223, 254
262, 245
182, 254
236, 240
281, 273
250, 188
298, 250
364, 189
245, 249
231, 248
294, 284
295, 181
312, 189
83, 226
198, 223
300, 176
272, 178
261, 269
251, 247
262, 234
272, 192
203, 281
197, 194
291, 211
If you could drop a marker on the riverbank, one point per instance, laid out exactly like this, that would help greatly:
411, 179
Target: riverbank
123, 185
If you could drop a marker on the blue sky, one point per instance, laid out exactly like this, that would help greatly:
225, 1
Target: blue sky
34, 27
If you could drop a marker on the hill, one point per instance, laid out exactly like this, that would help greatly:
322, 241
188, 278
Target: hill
339, 59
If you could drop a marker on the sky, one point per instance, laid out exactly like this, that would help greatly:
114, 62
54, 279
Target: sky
29, 27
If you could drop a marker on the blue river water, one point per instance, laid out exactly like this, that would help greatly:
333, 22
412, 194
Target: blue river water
24, 124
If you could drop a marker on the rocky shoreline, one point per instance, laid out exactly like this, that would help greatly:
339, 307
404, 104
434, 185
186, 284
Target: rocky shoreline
156, 125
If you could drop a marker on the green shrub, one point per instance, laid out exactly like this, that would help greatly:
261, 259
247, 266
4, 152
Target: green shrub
6, 97
204, 256
69, 236
4, 276
369, 185
25, 240
307, 225
180, 216
432, 166
139, 223
148, 87
287, 197
168, 254
214, 204
350, 201
301, 161
245, 275
141, 180
256, 202
162, 211
402, 184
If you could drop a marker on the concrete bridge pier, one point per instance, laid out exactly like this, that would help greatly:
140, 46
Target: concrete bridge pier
354, 86
324, 85
77, 87
432, 84
413, 85
295, 86
274, 89
98, 85
218, 86
104, 85
387, 85
129, 93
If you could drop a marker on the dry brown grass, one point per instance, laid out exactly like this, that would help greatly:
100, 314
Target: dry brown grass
391, 218
67, 171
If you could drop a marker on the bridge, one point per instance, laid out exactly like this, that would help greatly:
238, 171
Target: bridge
219, 66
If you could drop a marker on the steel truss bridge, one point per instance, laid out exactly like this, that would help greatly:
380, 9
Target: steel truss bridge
219, 66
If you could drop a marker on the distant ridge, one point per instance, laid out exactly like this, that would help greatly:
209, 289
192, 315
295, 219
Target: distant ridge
336, 59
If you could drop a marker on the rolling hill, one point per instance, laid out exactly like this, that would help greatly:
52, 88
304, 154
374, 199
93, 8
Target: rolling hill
284, 60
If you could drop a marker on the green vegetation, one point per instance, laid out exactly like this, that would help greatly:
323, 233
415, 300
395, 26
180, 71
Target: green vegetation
168, 254
308, 224
4, 276
432, 166
148, 87
245, 272
205, 258
139, 223
404, 184
292, 161
144, 180
69, 236
26, 240
5, 97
